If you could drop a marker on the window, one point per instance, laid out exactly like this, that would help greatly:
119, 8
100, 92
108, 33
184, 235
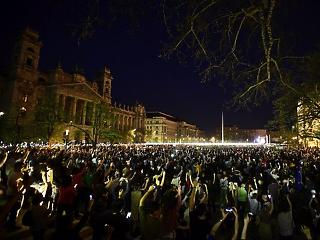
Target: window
41, 81
30, 49
39, 101
29, 61
25, 98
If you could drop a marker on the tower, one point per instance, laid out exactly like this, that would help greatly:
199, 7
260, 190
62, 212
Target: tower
21, 88
27, 53
24, 72
105, 80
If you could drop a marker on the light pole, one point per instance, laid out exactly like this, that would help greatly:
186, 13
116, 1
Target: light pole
66, 138
20, 114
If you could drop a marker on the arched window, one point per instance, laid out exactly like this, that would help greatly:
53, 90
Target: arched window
42, 81
30, 49
29, 61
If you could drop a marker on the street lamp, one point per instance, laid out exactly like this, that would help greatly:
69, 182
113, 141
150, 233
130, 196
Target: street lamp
22, 111
66, 137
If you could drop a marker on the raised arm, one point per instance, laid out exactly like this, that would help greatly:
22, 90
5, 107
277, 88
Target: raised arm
246, 221
193, 196
26, 155
205, 197
186, 196
288, 199
163, 178
145, 196
217, 225
272, 207
3, 161
236, 224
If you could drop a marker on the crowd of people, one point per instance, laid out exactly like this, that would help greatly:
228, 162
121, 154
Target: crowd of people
161, 191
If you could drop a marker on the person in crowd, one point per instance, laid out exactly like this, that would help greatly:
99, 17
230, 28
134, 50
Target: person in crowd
14, 189
39, 217
285, 218
165, 191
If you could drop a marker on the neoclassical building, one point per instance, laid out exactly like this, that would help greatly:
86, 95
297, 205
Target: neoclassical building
162, 127
35, 101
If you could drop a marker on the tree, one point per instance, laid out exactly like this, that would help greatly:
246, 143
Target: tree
237, 40
149, 135
101, 128
298, 108
47, 114
247, 45
102, 123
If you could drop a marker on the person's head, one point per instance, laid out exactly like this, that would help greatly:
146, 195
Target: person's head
201, 209
283, 204
67, 181
18, 166
154, 208
169, 199
254, 195
37, 199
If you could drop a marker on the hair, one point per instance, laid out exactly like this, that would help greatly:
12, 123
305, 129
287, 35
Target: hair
18, 165
284, 205
201, 209
37, 199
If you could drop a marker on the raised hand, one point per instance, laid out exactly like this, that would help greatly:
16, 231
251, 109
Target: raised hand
224, 214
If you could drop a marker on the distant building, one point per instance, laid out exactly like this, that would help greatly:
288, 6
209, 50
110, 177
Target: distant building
75, 99
308, 126
162, 127
236, 134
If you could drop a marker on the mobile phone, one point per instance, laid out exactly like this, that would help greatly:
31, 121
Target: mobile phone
269, 196
250, 214
229, 210
128, 215
90, 197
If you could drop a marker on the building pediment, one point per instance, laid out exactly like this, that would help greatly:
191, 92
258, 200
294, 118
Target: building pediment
79, 90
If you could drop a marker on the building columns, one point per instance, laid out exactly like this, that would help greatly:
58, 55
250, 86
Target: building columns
93, 113
63, 102
84, 113
73, 109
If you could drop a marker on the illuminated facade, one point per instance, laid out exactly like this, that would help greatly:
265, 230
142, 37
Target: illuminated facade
161, 127
73, 97
308, 127
236, 134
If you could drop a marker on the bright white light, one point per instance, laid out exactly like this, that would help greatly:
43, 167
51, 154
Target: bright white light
260, 140
202, 144
67, 132
1, 114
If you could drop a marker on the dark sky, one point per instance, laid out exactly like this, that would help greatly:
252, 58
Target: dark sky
133, 58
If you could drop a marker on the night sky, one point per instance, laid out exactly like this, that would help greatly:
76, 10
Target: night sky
140, 75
